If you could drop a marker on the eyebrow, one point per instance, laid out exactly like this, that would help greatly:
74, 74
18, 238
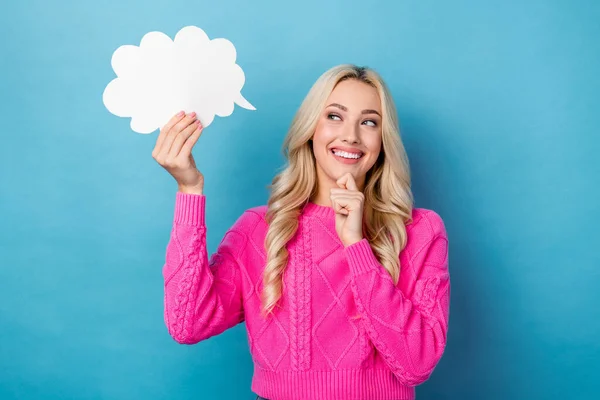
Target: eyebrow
344, 108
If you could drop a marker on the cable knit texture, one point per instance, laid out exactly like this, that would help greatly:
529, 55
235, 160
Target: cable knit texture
343, 329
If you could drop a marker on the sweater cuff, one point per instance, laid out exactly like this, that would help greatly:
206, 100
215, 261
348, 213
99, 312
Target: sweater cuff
361, 258
189, 209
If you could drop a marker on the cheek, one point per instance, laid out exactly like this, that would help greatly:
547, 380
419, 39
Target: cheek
323, 133
375, 146
323, 136
319, 143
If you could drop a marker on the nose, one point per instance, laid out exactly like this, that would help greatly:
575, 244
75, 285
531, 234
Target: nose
350, 134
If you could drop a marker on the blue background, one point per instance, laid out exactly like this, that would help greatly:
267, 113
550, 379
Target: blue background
499, 109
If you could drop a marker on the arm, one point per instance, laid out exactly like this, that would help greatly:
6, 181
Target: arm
408, 330
202, 298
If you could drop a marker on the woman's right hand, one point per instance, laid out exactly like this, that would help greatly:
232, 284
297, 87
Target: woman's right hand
173, 151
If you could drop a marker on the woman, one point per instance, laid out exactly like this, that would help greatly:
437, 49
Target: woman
343, 285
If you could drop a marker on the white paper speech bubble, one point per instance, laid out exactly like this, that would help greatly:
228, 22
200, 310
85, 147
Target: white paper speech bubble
162, 77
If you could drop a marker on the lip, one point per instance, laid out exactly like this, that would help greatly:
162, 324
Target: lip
347, 150
346, 160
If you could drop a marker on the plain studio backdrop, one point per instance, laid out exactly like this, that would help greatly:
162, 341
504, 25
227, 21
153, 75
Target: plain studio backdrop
499, 108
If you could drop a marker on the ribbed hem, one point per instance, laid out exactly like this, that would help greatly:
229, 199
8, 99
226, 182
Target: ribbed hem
360, 257
360, 384
189, 209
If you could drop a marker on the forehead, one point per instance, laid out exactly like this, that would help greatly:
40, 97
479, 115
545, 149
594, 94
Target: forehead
355, 95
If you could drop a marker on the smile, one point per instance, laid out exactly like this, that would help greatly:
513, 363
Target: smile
346, 154
346, 157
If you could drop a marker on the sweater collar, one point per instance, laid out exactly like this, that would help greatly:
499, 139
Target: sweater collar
313, 209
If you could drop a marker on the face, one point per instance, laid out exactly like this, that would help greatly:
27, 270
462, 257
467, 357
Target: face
348, 134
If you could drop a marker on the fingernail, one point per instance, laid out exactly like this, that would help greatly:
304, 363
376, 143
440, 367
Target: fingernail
192, 115
180, 114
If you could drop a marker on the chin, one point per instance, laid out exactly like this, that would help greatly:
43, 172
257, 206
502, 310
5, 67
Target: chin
337, 173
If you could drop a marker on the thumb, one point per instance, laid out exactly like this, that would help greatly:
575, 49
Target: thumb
351, 183
342, 182
339, 222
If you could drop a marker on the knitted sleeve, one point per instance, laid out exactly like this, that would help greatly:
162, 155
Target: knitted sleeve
407, 322
202, 298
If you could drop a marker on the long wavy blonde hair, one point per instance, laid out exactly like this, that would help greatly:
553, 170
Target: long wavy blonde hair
388, 196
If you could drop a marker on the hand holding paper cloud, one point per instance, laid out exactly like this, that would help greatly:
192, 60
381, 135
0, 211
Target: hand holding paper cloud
162, 77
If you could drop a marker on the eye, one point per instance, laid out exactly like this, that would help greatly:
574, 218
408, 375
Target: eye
371, 122
333, 117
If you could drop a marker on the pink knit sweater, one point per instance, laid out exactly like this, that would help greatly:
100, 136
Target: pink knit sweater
343, 329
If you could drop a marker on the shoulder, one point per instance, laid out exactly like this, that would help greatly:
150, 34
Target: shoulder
258, 211
251, 225
426, 237
250, 219
425, 226
247, 230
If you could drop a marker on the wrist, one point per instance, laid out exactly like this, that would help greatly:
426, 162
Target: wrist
351, 241
198, 190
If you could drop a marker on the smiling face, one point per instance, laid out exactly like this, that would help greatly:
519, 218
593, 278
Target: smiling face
348, 135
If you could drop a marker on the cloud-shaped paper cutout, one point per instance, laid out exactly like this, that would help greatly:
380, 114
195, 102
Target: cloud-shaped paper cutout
162, 77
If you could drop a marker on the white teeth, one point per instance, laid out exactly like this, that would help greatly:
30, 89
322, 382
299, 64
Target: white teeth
346, 154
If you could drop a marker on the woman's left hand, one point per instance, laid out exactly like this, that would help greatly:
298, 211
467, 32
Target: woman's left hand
347, 202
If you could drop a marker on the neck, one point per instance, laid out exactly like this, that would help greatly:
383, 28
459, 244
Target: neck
322, 197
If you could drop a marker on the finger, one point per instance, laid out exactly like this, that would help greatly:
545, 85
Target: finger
181, 138
351, 202
342, 211
342, 181
175, 130
337, 191
351, 183
165, 129
339, 208
346, 194
191, 141
339, 201
347, 203
345, 191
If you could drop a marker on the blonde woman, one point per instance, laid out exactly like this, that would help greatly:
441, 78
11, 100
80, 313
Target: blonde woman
343, 284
